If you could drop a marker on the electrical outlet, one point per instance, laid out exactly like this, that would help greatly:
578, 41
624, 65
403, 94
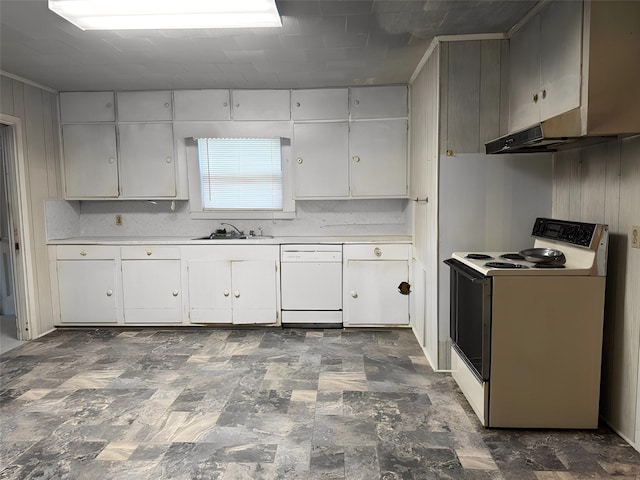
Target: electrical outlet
635, 236
119, 220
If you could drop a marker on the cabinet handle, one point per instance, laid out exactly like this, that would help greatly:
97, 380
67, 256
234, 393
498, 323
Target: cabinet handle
149, 252
535, 98
166, 105
109, 292
377, 252
83, 253
168, 159
236, 294
544, 93
356, 158
226, 293
299, 160
111, 160
354, 294
175, 293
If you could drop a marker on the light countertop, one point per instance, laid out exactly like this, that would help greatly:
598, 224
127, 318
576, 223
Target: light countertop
248, 241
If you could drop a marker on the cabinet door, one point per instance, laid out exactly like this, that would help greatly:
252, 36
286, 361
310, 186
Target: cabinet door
378, 152
90, 166
254, 292
378, 102
81, 107
371, 292
87, 290
261, 104
201, 105
524, 83
151, 291
147, 167
320, 104
144, 106
210, 291
560, 58
322, 159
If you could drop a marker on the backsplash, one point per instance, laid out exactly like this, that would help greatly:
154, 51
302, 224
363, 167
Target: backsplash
67, 219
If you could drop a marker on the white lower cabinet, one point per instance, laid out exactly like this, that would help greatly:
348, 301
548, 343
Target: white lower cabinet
373, 275
151, 285
237, 285
88, 287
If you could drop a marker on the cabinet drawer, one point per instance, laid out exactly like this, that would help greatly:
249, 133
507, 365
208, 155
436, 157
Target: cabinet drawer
376, 252
79, 252
144, 106
80, 107
154, 252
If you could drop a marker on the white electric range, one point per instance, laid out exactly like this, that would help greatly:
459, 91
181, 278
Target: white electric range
527, 340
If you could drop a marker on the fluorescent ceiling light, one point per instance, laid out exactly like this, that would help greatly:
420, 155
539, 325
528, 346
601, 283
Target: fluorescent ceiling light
167, 14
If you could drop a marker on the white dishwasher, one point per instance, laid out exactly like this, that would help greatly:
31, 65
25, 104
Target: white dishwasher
311, 285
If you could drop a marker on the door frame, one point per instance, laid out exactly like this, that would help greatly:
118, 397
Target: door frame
19, 215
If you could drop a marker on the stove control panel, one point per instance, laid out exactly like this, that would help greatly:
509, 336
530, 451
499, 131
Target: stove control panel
575, 233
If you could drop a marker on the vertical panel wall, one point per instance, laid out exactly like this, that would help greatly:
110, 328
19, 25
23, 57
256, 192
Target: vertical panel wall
37, 109
601, 184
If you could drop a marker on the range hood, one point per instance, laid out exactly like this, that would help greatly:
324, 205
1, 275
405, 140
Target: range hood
546, 136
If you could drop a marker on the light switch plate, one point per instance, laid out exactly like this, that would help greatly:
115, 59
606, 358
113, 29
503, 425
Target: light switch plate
635, 236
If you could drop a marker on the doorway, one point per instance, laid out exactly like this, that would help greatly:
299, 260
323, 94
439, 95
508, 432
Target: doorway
10, 331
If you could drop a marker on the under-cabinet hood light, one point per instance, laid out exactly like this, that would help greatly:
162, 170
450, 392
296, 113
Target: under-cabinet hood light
167, 14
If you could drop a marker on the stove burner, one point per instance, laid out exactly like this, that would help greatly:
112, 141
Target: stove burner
512, 256
479, 256
504, 265
548, 265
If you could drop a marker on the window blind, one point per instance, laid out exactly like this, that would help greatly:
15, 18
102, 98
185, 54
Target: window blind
240, 173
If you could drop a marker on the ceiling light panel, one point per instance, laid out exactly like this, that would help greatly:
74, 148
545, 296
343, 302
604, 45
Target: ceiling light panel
165, 14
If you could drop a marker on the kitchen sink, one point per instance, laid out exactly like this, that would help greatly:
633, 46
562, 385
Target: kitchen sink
222, 237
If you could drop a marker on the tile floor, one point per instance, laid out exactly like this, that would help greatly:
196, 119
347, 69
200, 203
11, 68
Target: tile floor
264, 404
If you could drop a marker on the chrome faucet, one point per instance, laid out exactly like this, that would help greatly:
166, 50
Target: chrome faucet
234, 227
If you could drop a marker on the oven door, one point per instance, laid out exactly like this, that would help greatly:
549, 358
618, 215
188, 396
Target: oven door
471, 317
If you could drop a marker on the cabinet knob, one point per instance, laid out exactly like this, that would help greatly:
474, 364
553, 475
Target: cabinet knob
544, 94
226, 293
149, 252
377, 252
298, 104
175, 293
166, 105
111, 160
299, 160
109, 292
356, 102
83, 253
356, 158
169, 160
236, 294
109, 105
225, 104
237, 105
354, 294
535, 98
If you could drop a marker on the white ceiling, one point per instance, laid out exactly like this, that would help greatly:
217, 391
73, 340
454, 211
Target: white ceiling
321, 43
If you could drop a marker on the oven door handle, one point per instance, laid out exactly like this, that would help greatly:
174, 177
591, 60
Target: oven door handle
466, 271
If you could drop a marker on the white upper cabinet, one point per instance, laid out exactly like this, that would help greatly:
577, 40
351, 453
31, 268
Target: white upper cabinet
378, 102
90, 160
147, 166
261, 104
82, 107
144, 106
545, 65
192, 105
320, 104
378, 150
321, 167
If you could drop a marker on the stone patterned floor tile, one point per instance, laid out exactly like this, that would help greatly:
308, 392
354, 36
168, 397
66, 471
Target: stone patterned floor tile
272, 404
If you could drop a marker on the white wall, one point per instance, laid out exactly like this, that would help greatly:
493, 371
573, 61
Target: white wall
601, 184
37, 110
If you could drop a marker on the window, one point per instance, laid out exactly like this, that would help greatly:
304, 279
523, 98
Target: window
240, 173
